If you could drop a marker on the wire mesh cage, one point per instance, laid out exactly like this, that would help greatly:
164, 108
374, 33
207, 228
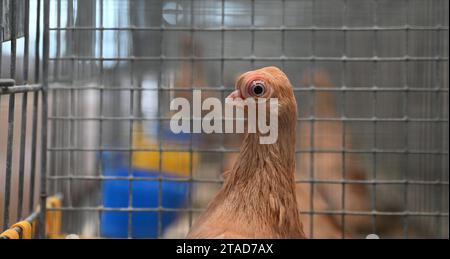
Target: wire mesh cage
370, 78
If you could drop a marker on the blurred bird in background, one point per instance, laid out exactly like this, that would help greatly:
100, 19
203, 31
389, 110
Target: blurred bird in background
327, 136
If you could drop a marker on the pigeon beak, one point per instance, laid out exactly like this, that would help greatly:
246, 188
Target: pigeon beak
235, 94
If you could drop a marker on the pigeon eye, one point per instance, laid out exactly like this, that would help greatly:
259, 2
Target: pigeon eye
257, 88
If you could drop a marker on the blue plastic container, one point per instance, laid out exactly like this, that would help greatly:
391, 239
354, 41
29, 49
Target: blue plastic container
115, 194
114, 224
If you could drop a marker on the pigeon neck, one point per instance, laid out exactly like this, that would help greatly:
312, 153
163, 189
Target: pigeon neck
262, 180
279, 157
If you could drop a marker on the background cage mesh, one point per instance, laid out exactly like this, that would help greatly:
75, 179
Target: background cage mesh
370, 78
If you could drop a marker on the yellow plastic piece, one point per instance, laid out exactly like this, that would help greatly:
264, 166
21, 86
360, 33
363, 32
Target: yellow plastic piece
175, 162
53, 217
26, 228
10, 234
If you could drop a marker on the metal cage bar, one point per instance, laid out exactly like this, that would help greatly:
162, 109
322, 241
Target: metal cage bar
21, 157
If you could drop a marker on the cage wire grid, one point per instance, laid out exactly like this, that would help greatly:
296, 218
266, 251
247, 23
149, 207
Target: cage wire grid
388, 64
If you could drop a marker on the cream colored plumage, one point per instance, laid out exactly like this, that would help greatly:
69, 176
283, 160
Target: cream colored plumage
258, 198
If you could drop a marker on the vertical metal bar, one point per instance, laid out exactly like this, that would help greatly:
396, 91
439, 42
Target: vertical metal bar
12, 98
54, 133
72, 126
130, 169
405, 114
71, 139
70, 45
26, 41
117, 36
374, 107
13, 26
100, 127
24, 113
440, 84
191, 84
56, 63
440, 98
43, 196
428, 202
130, 143
312, 123
159, 121
222, 67
344, 84
22, 153
37, 42
191, 174
431, 101
53, 161
9, 154
33, 151
253, 33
